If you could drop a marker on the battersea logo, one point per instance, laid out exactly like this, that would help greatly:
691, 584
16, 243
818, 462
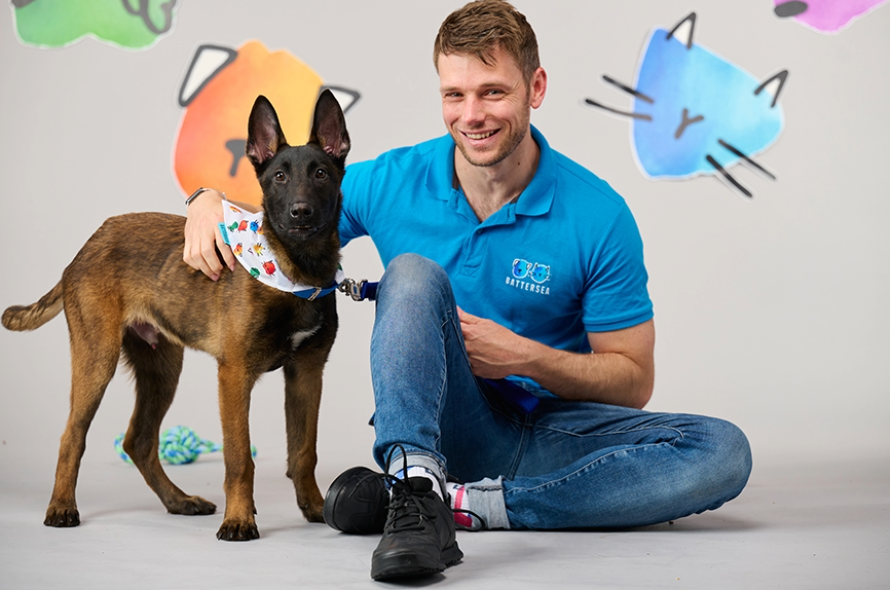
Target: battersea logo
529, 276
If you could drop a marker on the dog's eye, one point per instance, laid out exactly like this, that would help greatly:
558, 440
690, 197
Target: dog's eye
279, 176
321, 174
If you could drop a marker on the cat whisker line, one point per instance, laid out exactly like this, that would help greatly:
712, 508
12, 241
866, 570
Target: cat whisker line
640, 116
747, 160
628, 89
728, 176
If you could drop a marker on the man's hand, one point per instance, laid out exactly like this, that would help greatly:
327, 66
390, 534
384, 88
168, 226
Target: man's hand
494, 350
203, 243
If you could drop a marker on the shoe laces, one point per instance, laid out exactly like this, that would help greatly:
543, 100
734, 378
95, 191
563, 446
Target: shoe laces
406, 510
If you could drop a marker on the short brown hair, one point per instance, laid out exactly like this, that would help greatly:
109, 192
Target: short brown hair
481, 26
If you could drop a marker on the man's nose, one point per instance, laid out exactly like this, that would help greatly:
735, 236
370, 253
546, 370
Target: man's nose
474, 110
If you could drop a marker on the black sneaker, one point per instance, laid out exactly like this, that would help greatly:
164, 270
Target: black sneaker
418, 538
356, 502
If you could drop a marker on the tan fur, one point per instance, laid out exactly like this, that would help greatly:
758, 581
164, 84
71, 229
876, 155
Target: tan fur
128, 290
247, 326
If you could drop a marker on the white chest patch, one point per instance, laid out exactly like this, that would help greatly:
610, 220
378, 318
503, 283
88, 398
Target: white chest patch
298, 337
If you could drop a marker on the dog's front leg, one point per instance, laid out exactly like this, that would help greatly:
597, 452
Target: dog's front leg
235, 384
302, 397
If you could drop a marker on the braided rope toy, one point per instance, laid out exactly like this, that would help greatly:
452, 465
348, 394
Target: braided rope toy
178, 445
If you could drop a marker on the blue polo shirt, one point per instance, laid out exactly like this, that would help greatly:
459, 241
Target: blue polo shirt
565, 258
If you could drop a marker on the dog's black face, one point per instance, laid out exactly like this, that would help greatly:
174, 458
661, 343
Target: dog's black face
301, 192
301, 185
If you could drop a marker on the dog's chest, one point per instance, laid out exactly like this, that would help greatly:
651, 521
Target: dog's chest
297, 338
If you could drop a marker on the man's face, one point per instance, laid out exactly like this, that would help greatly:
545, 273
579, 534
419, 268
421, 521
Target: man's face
486, 108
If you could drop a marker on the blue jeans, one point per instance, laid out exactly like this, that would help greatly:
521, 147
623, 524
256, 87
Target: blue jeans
563, 465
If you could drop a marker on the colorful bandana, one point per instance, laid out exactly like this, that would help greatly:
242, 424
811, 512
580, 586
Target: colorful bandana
243, 231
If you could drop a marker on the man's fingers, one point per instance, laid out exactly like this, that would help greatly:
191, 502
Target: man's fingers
466, 318
202, 236
225, 250
210, 260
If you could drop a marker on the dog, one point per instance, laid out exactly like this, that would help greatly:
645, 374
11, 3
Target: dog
129, 290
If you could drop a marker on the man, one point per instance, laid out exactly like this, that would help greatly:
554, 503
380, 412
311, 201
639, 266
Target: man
513, 344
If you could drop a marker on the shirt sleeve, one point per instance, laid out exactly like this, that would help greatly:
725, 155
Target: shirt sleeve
356, 188
616, 295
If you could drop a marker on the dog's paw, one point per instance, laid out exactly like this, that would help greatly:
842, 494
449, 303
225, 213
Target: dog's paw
237, 531
192, 505
314, 512
62, 517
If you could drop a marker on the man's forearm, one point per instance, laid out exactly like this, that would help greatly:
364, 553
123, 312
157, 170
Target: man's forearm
604, 377
620, 372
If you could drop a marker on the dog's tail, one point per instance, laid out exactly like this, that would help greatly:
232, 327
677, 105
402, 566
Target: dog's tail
31, 317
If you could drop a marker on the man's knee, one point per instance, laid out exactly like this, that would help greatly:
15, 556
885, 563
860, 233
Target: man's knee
731, 460
412, 276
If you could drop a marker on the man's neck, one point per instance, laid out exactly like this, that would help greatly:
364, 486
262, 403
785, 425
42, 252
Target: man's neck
488, 188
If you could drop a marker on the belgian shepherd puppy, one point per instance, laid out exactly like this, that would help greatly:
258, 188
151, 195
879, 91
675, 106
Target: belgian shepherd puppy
129, 290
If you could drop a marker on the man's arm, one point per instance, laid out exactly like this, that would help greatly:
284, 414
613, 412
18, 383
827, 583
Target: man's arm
620, 371
203, 243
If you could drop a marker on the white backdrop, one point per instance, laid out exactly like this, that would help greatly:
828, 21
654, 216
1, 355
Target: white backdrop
770, 313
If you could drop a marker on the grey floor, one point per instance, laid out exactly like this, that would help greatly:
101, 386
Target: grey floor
800, 524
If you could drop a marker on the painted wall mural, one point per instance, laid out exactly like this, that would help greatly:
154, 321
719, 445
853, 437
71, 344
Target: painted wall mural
130, 24
218, 93
825, 16
695, 113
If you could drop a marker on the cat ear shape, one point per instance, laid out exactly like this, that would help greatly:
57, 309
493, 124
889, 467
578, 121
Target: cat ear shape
776, 79
208, 61
684, 34
345, 96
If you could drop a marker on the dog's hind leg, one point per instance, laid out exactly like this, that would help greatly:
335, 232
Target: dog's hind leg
302, 398
156, 370
95, 349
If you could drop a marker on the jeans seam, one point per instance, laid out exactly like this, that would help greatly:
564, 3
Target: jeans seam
583, 469
525, 433
679, 433
443, 380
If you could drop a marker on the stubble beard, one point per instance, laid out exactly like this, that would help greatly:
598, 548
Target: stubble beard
506, 150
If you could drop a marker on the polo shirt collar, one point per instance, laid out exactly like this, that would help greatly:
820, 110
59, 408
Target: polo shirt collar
537, 197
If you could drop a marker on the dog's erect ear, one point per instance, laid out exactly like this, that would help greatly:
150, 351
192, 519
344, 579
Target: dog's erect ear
329, 128
264, 135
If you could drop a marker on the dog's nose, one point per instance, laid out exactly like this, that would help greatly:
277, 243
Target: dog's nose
301, 211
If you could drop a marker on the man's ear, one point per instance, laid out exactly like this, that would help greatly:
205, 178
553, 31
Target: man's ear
329, 128
264, 135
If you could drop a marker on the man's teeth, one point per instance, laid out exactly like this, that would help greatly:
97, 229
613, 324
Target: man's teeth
480, 135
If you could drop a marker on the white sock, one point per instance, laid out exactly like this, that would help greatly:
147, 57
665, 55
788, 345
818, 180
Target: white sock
421, 471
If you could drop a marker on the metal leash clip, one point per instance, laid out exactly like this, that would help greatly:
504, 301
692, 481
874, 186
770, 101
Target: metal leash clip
356, 290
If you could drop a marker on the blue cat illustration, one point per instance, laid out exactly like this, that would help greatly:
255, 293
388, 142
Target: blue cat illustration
521, 268
540, 273
696, 113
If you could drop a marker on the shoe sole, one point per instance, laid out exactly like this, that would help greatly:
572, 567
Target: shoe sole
407, 565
